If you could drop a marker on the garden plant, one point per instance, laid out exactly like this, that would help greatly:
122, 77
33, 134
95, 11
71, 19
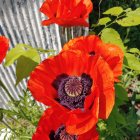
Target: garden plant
90, 90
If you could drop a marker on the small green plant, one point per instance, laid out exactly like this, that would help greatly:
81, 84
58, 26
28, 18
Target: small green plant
21, 118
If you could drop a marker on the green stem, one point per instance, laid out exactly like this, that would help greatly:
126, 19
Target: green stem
128, 124
26, 117
27, 137
8, 93
39, 49
14, 119
106, 26
44, 51
99, 9
8, 127
127, 33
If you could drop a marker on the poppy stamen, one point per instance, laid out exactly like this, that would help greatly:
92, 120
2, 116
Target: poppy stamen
73, 87
61, 134
65, 136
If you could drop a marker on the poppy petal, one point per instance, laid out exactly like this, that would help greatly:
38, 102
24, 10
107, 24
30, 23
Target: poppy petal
48, 122
113, 55
66, 13
90, 135
106, 87
41, 79
4, 45
92, 45
82, 122
49, 8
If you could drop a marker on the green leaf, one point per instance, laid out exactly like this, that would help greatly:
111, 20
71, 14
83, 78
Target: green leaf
119, 118
111, 122
119, 102
115, 118
24, 67
32, 54
14, 54
25, 50
129, 21
121, 93
132, 62
7, 112
132, 119
134, 13
134, 50
138, 96
127, 10
132, 18
110, 35
23, 53
104, 21
114, 11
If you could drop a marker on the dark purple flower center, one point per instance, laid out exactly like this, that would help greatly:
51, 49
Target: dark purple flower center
92, 53
72, 90
61, 134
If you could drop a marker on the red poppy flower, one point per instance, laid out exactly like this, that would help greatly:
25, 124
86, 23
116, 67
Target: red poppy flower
4, 45
66, 12
52, 127
92, 44
71, 81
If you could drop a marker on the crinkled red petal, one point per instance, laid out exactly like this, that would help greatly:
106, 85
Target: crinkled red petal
4, 45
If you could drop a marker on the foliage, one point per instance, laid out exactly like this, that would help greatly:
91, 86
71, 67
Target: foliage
116, 22
130, 35
26, 57
21, 118
110, 35
123, 121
